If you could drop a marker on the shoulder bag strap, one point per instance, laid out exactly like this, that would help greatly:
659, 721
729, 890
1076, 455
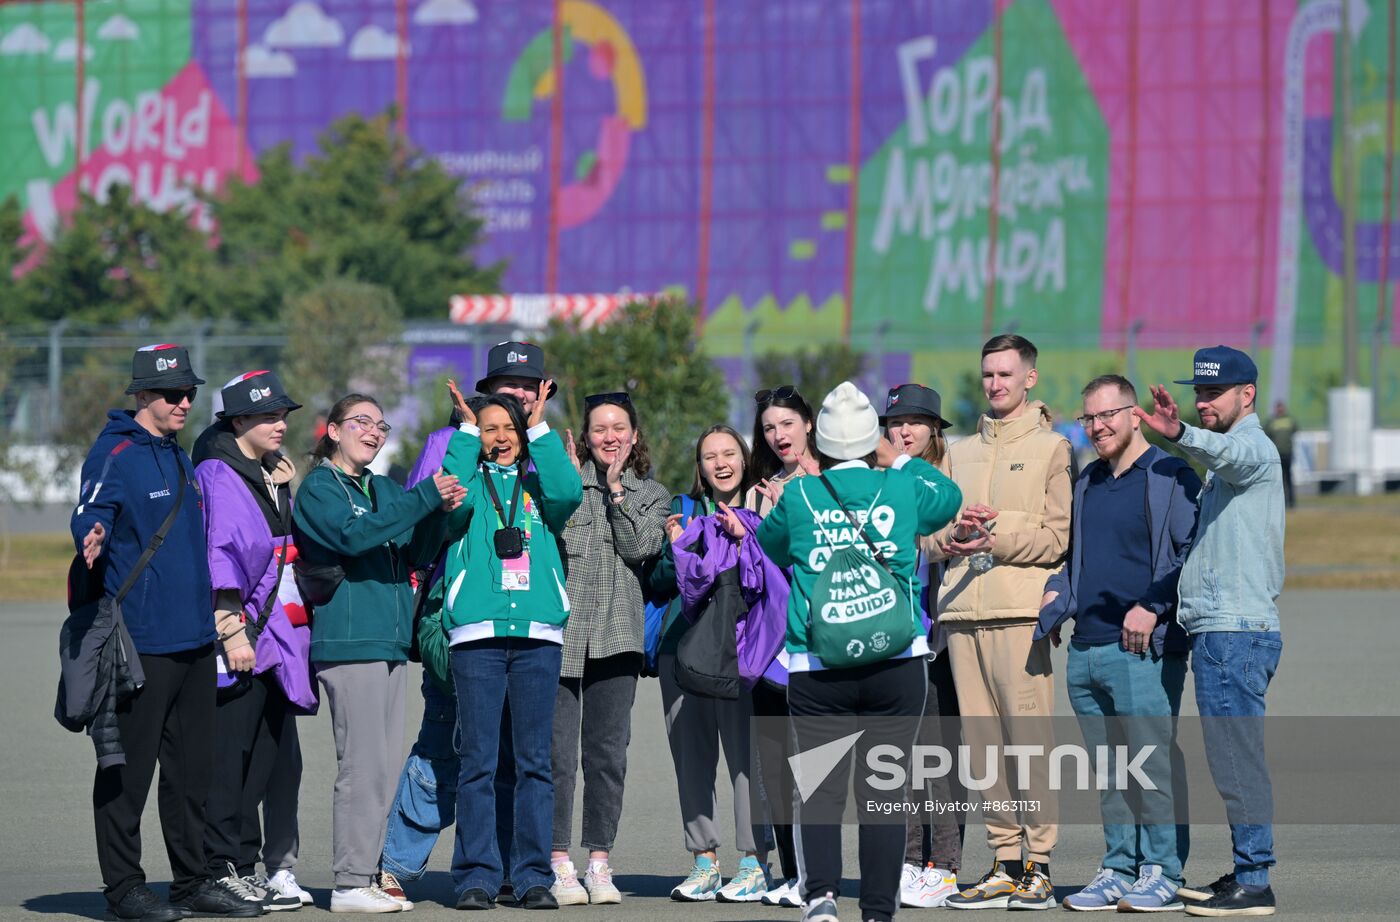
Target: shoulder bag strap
256, 628
856, 523
157, 539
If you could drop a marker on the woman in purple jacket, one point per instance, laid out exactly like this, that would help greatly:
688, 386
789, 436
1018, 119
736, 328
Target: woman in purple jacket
697, 726
263, 642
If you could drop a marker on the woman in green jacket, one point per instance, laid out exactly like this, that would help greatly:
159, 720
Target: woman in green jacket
504, 613
360, 635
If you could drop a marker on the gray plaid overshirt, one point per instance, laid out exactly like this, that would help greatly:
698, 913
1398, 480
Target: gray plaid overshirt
605, 546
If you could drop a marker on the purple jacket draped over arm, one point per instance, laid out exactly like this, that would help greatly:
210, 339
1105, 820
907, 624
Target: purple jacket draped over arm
704, 551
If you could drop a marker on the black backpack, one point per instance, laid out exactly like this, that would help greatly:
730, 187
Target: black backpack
707, 660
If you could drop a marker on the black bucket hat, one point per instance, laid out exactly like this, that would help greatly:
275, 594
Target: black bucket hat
255, 392
517, 360
161, 367
914, 400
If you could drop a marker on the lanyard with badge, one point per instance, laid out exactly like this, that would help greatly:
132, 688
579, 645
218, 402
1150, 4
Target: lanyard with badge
511, 542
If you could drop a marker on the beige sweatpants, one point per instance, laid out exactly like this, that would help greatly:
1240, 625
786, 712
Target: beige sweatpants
1000, 673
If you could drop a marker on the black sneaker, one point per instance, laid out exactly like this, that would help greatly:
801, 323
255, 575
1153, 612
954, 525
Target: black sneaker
538, 898
1235, 900
142, 903
221, 899
1033, 890
475, 898
1223, 883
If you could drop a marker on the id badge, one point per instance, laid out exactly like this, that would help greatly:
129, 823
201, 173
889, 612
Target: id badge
515, 574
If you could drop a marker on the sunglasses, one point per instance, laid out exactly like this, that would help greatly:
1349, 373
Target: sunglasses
621, 398
365, 423
769, 394
175, 398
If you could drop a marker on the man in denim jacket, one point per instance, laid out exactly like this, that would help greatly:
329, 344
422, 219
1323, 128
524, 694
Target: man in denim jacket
1228, 588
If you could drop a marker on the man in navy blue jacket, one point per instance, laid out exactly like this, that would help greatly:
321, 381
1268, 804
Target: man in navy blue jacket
132, 478
1134, 516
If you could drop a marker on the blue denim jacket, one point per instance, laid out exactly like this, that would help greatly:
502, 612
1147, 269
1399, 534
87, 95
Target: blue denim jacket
1172, 488
1234, 572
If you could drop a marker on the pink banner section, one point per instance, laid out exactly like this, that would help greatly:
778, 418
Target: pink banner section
163, 145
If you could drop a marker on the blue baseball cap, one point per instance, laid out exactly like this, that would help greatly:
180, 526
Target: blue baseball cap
1222, 365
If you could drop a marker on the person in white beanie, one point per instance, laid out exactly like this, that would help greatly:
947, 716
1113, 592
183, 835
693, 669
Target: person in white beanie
861, 610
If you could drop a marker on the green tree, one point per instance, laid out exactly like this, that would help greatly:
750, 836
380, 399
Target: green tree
114, 261
342, 336
648, 349
368, 207
815, 370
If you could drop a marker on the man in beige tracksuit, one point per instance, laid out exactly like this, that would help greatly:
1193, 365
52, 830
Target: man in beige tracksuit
1015, 478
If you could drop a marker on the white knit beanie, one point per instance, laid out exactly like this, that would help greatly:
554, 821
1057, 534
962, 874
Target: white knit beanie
848, 426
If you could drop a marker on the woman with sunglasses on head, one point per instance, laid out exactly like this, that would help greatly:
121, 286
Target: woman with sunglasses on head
265, 676
784, 449
504, 614
698, 724
619, 528
914, 424
362, 629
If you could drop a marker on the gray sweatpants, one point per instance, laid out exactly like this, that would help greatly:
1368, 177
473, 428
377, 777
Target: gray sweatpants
367, 715
696, 728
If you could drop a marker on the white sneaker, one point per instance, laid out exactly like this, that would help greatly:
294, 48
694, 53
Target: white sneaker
285, 883
273, 900
363, 899
786, 895
701, 885
820, 909
393, 889
930, 889
599, 884
909, 877
748, 885
566, 889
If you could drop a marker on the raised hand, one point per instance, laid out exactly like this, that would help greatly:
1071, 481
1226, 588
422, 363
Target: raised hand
460, 403
92, 544
449, 489
537, 414
772, 490
885, 453
731, 523
571, 450
1165, 418
615, 469
673, 527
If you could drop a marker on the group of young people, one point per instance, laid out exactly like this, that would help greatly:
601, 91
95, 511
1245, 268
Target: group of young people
843, 563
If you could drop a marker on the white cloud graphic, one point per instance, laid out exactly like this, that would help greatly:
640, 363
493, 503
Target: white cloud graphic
26, 39
119, 29
67, 50
304, 26
374, 44
261, 61
445, 13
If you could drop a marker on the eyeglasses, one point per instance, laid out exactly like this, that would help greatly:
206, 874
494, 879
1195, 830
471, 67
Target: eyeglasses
768, 395
365, 423
175, 398
621, 398
1088, 420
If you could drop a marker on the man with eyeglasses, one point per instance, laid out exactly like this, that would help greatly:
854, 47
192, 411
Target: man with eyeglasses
1228, 604
135, 474
1134, 515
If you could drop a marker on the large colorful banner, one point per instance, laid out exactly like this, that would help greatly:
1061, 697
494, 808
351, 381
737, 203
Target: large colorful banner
1103, 176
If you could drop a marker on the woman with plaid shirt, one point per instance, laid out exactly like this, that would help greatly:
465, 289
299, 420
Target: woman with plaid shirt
620, 526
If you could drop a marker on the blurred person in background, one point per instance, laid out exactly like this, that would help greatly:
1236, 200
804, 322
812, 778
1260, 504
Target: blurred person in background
1281, 428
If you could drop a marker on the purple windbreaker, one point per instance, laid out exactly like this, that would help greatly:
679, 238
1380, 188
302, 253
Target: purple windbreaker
431, 457
243, 556
703, 552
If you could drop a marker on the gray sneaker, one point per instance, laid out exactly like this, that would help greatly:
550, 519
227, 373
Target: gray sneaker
1151, 893
820, 909
273, 900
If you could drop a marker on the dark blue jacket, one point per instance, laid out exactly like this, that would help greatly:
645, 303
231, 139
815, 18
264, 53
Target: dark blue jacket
129, 483
1172, 490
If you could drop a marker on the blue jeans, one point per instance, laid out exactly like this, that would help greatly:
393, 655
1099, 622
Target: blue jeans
1233, 670
426, 801
488, 673
1105, 680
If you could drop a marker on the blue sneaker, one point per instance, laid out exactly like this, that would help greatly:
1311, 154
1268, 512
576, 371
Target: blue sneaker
1151, 893
1103, 893
702, 885
747, 885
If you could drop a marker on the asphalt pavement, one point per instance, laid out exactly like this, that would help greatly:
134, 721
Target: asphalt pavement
1339, 659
